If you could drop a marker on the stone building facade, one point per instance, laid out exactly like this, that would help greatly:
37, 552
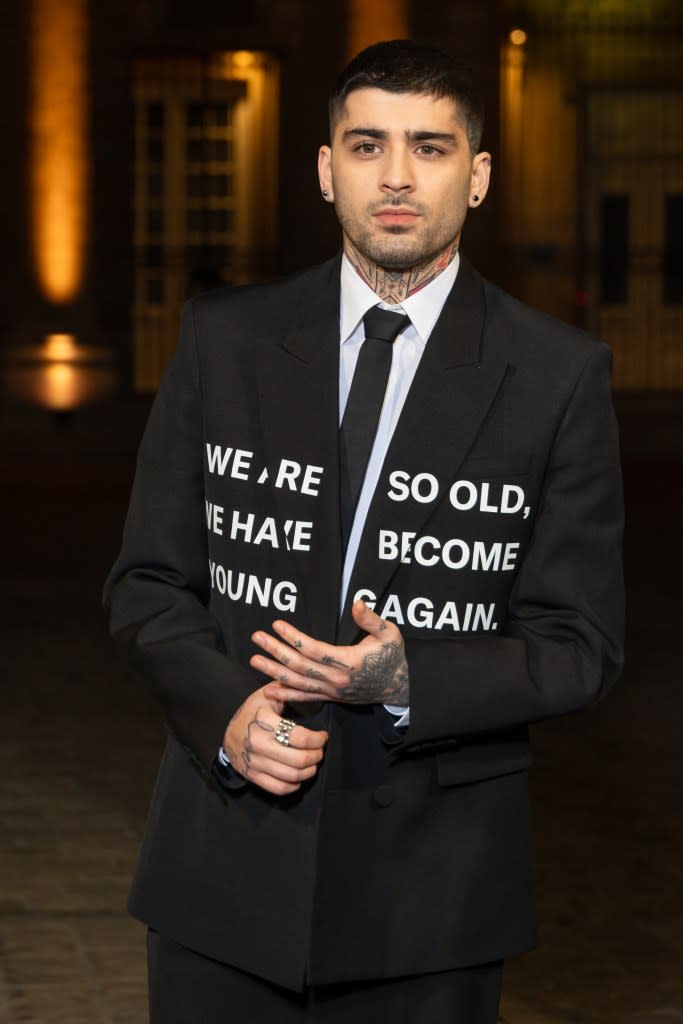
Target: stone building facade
156, 147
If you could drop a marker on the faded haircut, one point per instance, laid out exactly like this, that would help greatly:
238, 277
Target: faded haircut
402, 66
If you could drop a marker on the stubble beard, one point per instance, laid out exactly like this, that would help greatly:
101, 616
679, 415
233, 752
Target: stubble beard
395, 250
396, 261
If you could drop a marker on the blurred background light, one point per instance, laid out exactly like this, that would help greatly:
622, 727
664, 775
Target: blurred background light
373, 20
518, 37
59, 163
60, 348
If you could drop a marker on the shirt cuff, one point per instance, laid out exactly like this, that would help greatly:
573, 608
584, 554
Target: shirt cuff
223, 758
401, 714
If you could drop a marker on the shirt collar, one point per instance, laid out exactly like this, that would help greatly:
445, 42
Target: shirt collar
423, 308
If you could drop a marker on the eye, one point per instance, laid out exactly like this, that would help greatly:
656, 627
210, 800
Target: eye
428, 150
366, 148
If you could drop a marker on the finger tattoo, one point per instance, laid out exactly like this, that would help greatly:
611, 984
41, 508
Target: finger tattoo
313, 673
248, 747
329, 660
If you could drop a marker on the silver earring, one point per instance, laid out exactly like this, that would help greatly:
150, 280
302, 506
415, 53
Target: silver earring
325, 193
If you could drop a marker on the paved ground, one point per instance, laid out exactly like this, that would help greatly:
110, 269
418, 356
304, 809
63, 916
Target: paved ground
79, 742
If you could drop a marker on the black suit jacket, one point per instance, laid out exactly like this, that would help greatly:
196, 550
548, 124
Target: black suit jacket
408, 853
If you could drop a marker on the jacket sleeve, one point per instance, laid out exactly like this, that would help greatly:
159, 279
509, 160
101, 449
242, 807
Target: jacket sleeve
157, 592
561, 646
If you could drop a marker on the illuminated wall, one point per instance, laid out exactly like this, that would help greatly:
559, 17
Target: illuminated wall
591, 100
373, 20
59, 159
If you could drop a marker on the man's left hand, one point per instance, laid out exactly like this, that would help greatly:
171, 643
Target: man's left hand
373, 671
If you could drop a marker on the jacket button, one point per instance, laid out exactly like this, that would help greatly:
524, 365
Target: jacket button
384, 796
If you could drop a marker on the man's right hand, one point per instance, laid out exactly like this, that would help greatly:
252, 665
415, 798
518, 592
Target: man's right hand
253, 751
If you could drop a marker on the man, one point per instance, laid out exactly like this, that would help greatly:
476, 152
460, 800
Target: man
364, 550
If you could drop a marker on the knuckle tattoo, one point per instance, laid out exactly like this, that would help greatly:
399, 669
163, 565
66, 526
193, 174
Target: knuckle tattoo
314, 673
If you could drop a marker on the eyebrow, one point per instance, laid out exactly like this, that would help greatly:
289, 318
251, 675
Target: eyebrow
425, 135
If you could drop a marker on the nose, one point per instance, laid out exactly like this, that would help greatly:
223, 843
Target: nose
397, 171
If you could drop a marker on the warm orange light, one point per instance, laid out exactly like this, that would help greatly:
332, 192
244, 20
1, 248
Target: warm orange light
60, 374
243, 59
60, 348
59, 167
60, 381
61, 387
518, 37
370, 21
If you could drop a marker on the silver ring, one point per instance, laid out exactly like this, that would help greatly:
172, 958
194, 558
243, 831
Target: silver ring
285, 726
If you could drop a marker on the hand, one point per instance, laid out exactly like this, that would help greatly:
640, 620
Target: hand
253, 751
373, 671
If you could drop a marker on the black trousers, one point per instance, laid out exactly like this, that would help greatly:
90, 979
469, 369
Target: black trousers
187, 988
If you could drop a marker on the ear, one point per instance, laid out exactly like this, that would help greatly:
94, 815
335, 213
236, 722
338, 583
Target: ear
325, 173
481, 176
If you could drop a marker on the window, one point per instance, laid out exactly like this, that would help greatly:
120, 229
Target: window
673, 250
205, 187
614, 250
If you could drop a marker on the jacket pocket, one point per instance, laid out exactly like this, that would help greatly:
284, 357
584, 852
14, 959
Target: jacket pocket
476, 762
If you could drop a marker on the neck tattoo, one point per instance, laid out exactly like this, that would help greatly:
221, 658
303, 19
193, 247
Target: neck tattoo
393, 286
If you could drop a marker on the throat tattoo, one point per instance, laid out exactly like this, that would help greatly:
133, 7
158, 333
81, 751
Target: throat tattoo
393, 286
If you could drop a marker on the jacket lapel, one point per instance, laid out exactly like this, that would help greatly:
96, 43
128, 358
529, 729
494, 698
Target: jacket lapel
452, 391
298, 397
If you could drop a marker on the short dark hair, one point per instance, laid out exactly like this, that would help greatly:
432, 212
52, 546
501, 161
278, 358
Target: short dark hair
402, 66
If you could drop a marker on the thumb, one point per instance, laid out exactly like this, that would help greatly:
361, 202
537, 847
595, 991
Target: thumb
366, 619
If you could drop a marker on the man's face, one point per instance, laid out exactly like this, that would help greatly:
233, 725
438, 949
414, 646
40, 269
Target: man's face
401, 175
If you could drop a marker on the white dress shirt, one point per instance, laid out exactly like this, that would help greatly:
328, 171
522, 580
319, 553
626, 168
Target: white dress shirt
424, 309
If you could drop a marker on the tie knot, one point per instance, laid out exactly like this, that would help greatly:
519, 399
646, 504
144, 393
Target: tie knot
383, 325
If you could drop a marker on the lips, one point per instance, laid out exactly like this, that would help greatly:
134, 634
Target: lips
394, 216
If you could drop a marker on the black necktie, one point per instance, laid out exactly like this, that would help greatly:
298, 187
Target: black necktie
363, 407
